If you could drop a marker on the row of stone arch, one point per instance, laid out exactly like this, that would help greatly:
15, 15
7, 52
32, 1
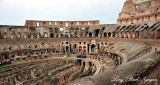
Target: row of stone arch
143, 34
118, 60
27, 46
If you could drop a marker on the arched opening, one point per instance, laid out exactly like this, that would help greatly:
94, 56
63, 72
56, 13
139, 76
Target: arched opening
19, 35
56, 30
155, 17
61, 36
109, 34
131, 21
84, 48
71, 30
42, 44
52, 35
10, 48
113, 34
77, 29
102, 29
158, 34
67, 48
32, 29
35, 46
90, 34
129, 35
4, 35
51, 29
96, 32
149, 18
6, 55
83, 64
92, 47
105, 34
45, 35
71, 35
117, 60
137, 19
29, 47
121, 21
90, 64
75, 46
13, 56
80, 48
66, 36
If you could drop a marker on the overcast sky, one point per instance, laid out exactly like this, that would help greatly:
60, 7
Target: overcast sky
15, 12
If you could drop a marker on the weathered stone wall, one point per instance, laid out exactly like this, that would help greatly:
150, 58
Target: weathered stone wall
139, 12
34, 23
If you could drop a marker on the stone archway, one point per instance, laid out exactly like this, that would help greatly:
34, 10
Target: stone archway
67, 48
92, 47
84, 48
129, 35
36, 46
52, 35
97, 32
105, 34
109, 34
158, 34
90, 34
51, 29
80, 48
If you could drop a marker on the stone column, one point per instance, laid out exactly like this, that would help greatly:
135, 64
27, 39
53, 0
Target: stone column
96, 48
60, 47
90, 49
69, 43
111, 34
37, 35
65, 50
119, 60
32, 74
89, 46
107, 35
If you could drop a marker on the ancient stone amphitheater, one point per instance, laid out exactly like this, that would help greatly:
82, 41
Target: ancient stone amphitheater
85, 52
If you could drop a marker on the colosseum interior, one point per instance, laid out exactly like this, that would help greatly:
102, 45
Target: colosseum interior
85, 52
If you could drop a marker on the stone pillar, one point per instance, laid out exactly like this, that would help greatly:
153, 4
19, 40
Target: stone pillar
119, 60
90, 49
93, 34
59, 35
37, 35
78, 32
96, 51
69, 43
32, 74
99, 34
107, 35
88, 35
69, 35
60, 47
111, 35
65, 50
155, 34
89, 46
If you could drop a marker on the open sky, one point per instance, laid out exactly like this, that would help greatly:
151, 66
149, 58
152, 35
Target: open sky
15, 12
